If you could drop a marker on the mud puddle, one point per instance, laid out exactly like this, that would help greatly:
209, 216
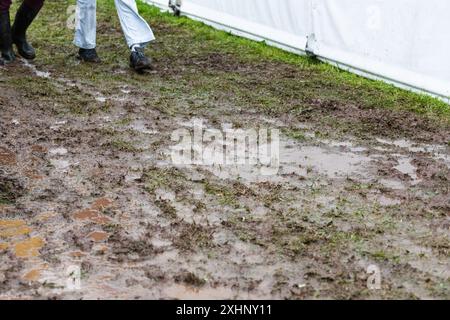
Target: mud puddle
111, 205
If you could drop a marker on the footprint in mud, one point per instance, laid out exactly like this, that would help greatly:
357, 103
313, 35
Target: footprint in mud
28, 248
7, 158
94, 213
102, 204
13, 228
35, 274
92, 216
13, 232
98, 236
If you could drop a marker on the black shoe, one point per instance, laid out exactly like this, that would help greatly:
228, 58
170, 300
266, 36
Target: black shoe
24, 17
138, 60
5, 38
88, 55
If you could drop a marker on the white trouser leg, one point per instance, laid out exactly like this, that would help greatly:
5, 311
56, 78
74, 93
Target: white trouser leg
135, 28
86, 24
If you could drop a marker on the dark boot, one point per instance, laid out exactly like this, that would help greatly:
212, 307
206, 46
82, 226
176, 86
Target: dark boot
24, 17
5, 38
88, 55
138, 60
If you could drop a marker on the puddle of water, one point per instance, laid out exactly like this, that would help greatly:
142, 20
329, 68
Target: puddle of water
58, 151
346, 145
358, 149
401, 143
140, 126
57, 125
133, 176
40, 74
100, 99
437, 152
106, 119
443, 157
388, 202
422, 258
59, 164
167, 257
393, 184
340, 144
405, 166
327, 162
165, 195
293, 158
159, 243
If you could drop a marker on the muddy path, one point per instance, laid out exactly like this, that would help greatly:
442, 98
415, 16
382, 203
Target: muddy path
87, 181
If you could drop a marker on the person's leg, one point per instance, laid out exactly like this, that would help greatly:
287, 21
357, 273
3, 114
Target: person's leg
25, 15
86, 30
137, 33
7, 52
135, 28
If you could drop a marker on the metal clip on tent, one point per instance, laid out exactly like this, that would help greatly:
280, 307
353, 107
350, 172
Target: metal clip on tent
311, 45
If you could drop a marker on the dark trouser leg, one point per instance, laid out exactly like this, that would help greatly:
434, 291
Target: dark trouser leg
4, 5
24, 17
7, 52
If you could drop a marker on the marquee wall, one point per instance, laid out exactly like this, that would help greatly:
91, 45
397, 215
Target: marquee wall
405, 42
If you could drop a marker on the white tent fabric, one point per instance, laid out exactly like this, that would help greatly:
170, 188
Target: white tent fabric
405, 42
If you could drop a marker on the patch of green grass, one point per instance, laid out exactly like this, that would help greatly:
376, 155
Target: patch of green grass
383, 255
182, 44
166, 208
5, 200
193, 236
226, 197
124, 121
156, 178
190, 279
346, 86
10, 190
295, 134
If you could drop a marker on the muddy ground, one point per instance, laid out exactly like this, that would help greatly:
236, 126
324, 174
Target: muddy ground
86, 178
